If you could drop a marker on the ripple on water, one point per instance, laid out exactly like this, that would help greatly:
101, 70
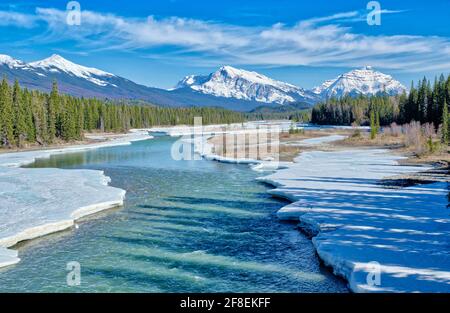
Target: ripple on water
194, 226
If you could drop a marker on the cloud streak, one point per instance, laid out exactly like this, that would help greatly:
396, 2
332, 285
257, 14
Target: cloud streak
8, 18
320, 41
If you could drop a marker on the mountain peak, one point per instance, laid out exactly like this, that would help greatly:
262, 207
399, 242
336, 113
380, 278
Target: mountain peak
57, 64
365, 81
227, 68
55, 56
230, 82
55, 60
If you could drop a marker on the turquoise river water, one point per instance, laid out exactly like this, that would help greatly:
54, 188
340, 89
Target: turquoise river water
186, 226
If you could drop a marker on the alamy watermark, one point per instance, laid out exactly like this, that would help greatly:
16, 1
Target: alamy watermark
374, 274
374, 16
73, 277
241, 142
73, 17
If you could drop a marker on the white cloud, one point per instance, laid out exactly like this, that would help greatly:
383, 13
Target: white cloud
320, 41
8, 18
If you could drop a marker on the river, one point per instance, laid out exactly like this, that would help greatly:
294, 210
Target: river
186, 226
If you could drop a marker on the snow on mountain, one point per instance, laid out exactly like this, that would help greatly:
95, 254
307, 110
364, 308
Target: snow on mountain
235, 83
228, 87
319, 89
230, 82
364, 81
57, 63
82, 81
10, 62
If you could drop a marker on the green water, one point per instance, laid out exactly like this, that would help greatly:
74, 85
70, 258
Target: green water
186, 226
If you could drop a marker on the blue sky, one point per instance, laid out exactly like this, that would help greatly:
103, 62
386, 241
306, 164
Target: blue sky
156, 43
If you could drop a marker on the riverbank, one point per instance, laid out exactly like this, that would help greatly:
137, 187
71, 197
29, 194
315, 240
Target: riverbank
185, 226
38, 202
337, 196
361, 226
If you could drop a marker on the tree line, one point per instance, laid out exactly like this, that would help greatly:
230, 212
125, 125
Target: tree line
303, 116
425, 103
356, 110
31, 116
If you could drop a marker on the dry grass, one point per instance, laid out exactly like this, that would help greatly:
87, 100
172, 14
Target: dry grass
392, 138
286, 151
411, 142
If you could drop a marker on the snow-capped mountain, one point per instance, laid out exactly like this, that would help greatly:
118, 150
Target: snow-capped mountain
364, 81
230, 82
227, 87
57, 63
10, 62
82, 81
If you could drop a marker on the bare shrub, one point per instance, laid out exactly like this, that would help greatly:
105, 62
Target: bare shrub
393, 130
414, 137
429, 131
396, 130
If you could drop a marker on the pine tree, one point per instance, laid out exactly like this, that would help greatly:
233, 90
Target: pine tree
28, 108
40, 122
52, 107
377, 122
20, 123
6, 115
445, 126
373, 131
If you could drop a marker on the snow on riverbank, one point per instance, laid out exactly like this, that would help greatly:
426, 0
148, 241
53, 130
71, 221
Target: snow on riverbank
37, 202
17, 159
320, 140
199, 136
356, 221
360, 227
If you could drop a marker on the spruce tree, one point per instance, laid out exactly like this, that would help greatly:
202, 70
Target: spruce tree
6, 115
20, 123
373, 131
445, 126
52, 107
28, 107
377, 122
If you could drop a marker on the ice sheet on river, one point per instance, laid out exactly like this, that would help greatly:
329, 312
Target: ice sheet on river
36, 202
356, 220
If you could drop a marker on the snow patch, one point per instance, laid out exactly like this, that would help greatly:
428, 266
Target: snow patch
11, 62
37, 202
337, 196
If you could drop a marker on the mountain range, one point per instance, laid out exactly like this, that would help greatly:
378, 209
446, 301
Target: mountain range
227, 87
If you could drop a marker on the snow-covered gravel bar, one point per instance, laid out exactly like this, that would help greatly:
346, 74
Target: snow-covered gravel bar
37, 202
337, 196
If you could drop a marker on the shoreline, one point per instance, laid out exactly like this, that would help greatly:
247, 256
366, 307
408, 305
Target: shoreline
324, 220
49, 218
12, 161
325, 226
